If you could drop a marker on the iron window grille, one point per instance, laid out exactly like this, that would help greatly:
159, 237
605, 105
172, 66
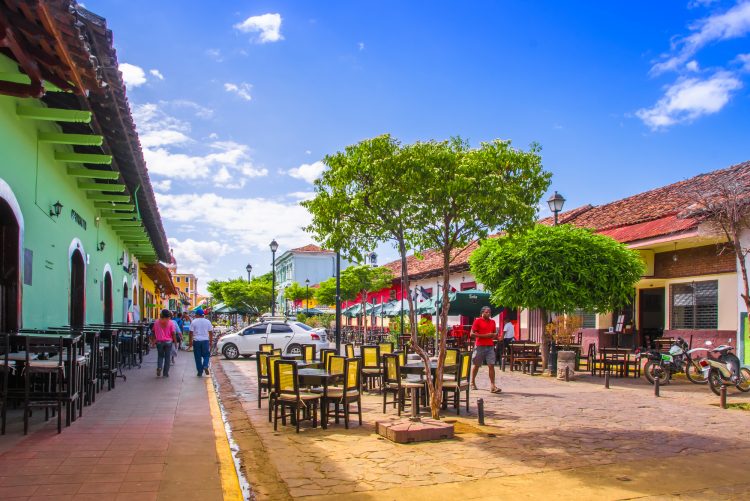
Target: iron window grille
695, 305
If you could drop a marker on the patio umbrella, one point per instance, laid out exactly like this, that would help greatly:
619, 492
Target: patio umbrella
311, 312
469, 303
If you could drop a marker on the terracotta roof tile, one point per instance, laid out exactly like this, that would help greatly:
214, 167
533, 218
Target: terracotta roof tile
310, 248
650, 229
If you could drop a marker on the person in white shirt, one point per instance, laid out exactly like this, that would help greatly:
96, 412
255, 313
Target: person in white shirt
201, 336
509, 335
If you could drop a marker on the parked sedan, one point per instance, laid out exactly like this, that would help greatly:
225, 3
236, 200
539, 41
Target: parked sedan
287, 335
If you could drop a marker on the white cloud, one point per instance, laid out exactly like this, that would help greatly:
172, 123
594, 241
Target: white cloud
242, 90
301, 195
215, 54
239, 222
213, 135
361, 46
733, 23
200, 111
164, 138
744, 60
692, 66
690, 98
308, 172
132, 75
157, 74
308, 152
694, 4
196, 256
268, 27
163, 185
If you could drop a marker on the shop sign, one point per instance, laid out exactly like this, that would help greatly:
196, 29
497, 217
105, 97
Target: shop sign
78, 219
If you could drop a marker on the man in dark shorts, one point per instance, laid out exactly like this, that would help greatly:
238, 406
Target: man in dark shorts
485, 332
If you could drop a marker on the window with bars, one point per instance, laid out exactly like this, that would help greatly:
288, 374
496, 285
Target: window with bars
588, 319
695, 305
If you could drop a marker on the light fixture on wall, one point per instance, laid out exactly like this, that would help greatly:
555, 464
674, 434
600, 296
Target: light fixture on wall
674, 256
121, 259
56, 209
100, 246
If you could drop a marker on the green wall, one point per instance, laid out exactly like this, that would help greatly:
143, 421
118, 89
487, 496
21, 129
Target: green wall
38, 181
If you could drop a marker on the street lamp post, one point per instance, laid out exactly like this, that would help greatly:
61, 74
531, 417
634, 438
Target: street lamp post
274, 247
556, 203
307, 294
249, 269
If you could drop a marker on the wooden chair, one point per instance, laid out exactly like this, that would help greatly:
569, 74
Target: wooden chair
271, 371
261, 359
266, 347
371, 368
44, 385
276, 352
459, 383
397, 386
325, 353
595, 360
451, 359
289, 396
346, 395
349, 349
308, 352
385, 347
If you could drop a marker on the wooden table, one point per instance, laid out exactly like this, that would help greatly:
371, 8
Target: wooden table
617, 357
313, 377
418, 368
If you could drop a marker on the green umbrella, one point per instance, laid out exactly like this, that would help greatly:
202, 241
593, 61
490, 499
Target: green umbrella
469, 303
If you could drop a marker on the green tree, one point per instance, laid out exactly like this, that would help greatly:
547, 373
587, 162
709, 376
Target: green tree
214, 288
356, 281
296, 292
243, 295
368, 195
467, 193
557, 269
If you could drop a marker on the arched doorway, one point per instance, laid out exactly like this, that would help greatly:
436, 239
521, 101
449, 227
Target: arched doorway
77, 289
107, 298
10, 271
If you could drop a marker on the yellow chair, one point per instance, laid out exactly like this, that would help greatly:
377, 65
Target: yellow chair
396, 385
460, 383
270, 360
349, 350
346, 395
263, 383
308, 352
371, 369
385, 348
288, 395
266, 348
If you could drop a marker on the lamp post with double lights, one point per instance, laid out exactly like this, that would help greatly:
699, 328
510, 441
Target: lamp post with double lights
249, 269
307, 294
274, 245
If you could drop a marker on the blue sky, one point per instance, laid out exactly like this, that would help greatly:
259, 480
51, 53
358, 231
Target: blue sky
237, 102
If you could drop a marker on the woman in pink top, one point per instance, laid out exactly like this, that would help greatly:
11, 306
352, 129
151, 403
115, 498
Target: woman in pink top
164, 332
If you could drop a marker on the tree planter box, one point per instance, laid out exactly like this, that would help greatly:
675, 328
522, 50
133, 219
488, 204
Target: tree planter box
404, 431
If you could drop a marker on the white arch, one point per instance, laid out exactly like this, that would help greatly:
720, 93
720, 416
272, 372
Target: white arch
77, 245
108, 268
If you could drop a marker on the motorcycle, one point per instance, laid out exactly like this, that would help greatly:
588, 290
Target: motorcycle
725, 370
678, 360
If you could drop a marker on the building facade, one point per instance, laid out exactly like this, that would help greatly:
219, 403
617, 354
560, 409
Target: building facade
305, 263
80, 225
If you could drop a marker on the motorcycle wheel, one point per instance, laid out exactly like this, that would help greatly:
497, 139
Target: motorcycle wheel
744, 384
651, 370
694, 374
714, 381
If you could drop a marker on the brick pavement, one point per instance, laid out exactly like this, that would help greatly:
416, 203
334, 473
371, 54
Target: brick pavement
150, 438
577, 436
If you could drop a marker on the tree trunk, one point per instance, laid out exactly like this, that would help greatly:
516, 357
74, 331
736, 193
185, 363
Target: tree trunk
743, 267
436, 390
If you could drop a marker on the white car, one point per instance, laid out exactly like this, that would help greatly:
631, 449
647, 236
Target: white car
288, 335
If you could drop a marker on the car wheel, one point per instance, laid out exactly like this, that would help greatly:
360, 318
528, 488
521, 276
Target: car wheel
294, 349
231, 352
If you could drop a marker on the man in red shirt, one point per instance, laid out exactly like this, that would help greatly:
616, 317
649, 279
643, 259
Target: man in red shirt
485, 332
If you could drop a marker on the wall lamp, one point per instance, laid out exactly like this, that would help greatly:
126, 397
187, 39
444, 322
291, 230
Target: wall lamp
56, 209
100, 246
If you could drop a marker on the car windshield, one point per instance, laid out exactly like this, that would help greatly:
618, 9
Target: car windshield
303, 326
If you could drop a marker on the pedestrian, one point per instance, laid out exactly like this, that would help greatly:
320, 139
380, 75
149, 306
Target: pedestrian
485, 332
509, 335
185, 329
201, 336
178, 319
177, 335
164, 334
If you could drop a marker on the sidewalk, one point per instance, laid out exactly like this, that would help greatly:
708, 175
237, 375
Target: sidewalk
150, 438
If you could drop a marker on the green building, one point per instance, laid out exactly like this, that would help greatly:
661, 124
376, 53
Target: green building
78, 218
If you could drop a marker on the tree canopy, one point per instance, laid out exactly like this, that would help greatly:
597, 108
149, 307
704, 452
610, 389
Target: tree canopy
240, 294
297, 292
355, 280
557, 268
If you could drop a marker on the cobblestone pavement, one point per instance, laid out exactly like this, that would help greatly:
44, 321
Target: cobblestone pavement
538, 428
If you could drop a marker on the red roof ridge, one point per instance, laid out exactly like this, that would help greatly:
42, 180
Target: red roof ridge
309, 248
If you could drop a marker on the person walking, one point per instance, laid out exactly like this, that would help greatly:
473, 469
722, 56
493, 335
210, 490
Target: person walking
201, 336
509, 335
185, 330
177, 336
485, 332
164, 337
